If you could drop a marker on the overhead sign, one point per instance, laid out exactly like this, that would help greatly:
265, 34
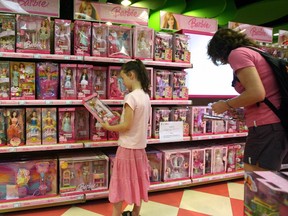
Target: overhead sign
283, 37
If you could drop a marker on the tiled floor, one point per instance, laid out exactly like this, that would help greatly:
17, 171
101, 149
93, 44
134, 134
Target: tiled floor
218, 199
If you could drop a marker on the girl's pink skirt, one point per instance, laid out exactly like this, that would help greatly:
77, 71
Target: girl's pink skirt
130, 177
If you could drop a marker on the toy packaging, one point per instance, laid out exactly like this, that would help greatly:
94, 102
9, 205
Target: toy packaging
68, 81
99, 39
83, 173
162, 85
47, 84
66, 125
82, 38
199, 124
33, 34
119, 42
231, 158
7, 32
208, 153
180, 48
4, 80
49, 125
182, 114
180, 90
198, 162
150, 76
3, 127
239, 157
62, 36
116, 88
160, 114
97, 132
99, 81
81, 124
15, 126
22, 80
155, 164
117, 111
33, 126
84, 80
100, 110
163, 46
219, 159
143, 42
219, 123
28, 179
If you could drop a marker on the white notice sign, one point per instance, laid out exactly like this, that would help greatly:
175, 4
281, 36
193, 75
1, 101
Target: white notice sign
171, 131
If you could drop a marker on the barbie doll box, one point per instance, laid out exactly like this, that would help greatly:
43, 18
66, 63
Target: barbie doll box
99, 109
155, 164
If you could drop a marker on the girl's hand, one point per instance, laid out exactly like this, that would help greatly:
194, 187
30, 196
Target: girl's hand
220, 107
105, 125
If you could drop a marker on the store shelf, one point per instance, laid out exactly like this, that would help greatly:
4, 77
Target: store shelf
157, 141
170, 185
40, 56
217, 178
96, 195
94, 144
218, 136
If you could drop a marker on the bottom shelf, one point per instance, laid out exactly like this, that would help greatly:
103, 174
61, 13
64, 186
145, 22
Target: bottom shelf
20, 205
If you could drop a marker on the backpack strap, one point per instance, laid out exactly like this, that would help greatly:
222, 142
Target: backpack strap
271, 106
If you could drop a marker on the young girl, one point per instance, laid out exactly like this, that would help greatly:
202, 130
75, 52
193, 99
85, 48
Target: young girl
130, 178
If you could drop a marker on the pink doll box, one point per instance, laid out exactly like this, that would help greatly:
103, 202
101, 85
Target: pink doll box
231, 158
160, 114
150, 76
180, 48
3, 127
33, 34
84, 80
162, 85
180, 90
198, 162
68, 81
143, 43
22, 80
119, 42
239, 156
99, 83
208, 153
66, 125
199, 124
219, 159
117, 111
155, 164
82, 38
47, 84
7, 33
97, 132
28, 179
49, 125
100, 110
62, 36
115, 86
149, 132
99, 40
163, 46
15, 126
219, 124
181, 114
4, 80
33, 126
81, 124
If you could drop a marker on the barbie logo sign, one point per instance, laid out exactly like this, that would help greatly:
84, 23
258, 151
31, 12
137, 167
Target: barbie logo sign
194, 23
33, 3
123, 12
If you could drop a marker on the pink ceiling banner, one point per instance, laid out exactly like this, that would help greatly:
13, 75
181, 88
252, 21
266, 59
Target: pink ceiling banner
50, 8
115, 13
283, 37
171, 21
258, 33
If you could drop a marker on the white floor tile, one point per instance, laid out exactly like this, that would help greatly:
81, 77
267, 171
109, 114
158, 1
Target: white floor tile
236, 190
75, 211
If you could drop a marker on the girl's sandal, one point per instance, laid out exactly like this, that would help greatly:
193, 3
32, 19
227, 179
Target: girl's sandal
127, 213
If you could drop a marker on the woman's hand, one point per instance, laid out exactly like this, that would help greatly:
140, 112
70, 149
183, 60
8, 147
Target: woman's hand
220, 106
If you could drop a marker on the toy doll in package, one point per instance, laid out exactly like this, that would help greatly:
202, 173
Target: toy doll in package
82, 38
180, 51
99, 80
163, 46
119, 42
33, 126
4, 81
155, 164
7, 33
3, 135
219, 159
84, 80
162, 85
160, 114
197, 163
47, 80
180, 90
68, 81
199, 124
15, 127
143, 42
33, 34
113, 135
99, 40
116, 88
66, 125
62, 36
49, 126
181, 114
81, 124
97, 132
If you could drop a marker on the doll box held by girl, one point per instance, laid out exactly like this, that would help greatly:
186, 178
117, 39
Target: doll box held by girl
7, 33
49, 126
66, 125
62, 36
33, 126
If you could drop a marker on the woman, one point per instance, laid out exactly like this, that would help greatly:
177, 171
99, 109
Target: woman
170, 22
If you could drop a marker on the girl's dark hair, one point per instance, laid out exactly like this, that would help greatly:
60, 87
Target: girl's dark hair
223, 42
141, 73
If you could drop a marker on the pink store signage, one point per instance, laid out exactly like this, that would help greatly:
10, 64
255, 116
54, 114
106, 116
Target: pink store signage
114, 13
48, 8
283, 37
257, 33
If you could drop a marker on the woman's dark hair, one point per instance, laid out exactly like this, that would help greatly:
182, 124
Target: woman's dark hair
223, 42
141, 73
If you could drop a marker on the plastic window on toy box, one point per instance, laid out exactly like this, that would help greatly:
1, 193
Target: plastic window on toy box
117, 111
162, 85
219, 124
15, 126
116, 88
4, 80
3, 127
81, 124
100, 168
33, 34
7, 33
180, 48
155, 164
22, 80
68, 81
181, 114
47, 75
163, 46
219, 159
62, 36
180, 90
231, 158
33, 126
160, 114
143, 39
84, 80
97, 132
66, 125
49, 125
119, 42
150, 76
208, 154
82, 38
199, 124
198, 162
239, 160
99, 40
99, 81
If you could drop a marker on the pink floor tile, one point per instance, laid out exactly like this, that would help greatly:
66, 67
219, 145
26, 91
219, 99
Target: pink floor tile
217, 189
183, 212
237, 207
172, 197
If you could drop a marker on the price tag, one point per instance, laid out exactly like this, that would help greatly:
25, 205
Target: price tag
171, 131
68, 102
68, 147
88, 145
1, 54
121, 60
67, 57
21, 102
79, 58
49, 102
16, 205
12, 149
37, 56
180, 183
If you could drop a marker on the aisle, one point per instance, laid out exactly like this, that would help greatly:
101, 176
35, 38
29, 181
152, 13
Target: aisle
218, 199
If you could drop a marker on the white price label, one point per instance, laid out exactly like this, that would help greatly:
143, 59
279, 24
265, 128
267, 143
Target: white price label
68, 102
37, 56
48, 102
68, 147
16, 205
171, 131
21, 102
67, 57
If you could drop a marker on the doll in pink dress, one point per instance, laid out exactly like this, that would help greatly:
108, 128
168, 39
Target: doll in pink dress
114, 88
